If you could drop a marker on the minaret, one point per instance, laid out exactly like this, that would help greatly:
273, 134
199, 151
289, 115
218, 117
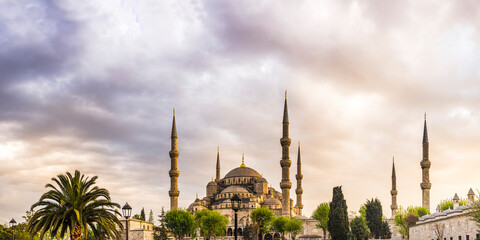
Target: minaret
217, 179
425, 164
173, 170
299, 178
394, 191
285, 184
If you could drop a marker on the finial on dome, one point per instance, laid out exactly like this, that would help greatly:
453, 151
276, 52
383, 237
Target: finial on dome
197, 195
243, 160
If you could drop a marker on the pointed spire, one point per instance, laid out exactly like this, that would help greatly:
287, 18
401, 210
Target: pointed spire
299, 160
439, 209
456, 197
393, 168
425, 134
470, 192
174, 126
285, 109
243, 160
217, 179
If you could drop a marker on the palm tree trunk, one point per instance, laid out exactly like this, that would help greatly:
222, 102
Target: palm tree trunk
76, 234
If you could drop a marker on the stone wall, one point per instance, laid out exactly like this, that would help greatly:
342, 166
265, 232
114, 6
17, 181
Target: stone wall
137, 230
456, 226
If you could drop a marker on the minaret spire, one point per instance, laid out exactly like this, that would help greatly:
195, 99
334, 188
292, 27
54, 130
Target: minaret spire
285, 163
299, 177
394, 191
217, 179
425, 164
174, 193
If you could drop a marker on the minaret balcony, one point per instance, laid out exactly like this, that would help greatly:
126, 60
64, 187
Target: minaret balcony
425, 164
425, 185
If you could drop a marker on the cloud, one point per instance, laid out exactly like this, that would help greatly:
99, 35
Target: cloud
91, 86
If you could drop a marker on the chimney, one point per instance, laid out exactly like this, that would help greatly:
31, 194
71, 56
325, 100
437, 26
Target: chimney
471, 196
456, 201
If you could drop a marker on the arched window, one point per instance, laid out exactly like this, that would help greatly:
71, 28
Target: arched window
229, 232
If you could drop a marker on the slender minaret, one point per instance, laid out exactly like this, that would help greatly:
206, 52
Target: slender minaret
299, 177
217, 179
394, 191
285, 184
425, 164
173, 170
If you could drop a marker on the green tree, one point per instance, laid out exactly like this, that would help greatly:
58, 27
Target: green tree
73, 206
419, 211
294, 227
180, 223
150, 217
280, 225
448, 203
142, 214
373, 215
385, 232
404, 219
474, 210
211, 223
363, 211
338, 216
162, 230
138, 217
359, 228
321, 215
267, 216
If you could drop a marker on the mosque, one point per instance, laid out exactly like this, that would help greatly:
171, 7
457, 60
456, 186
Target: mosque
247, 183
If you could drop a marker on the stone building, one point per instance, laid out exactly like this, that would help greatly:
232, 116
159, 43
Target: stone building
252, 188
453, 223
137, 230
247, 183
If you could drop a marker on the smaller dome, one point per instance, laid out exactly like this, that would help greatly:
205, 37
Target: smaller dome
234, 189
212, 183
272, 201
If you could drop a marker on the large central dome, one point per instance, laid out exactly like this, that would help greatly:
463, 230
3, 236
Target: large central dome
243, 172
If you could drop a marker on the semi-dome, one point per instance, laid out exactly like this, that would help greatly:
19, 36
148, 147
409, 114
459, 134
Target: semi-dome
261, 180
272, 201
212, 183
235, 189
243, 172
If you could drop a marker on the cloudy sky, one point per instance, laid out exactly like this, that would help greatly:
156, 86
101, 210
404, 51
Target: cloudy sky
90, 85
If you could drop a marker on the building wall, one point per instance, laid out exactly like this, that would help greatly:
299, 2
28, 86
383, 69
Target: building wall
137, 230
456, 227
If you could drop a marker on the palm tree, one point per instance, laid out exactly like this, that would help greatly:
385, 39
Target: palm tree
74, 206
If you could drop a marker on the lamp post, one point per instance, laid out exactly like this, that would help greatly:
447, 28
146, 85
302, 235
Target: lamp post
235, 207
127, 211
12, 224
260, 223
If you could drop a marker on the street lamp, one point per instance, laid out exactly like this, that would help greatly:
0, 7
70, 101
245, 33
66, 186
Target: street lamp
127, 211
12, 224
235, 207
260, 222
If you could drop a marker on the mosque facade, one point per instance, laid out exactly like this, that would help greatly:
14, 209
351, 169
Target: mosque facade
253, 189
